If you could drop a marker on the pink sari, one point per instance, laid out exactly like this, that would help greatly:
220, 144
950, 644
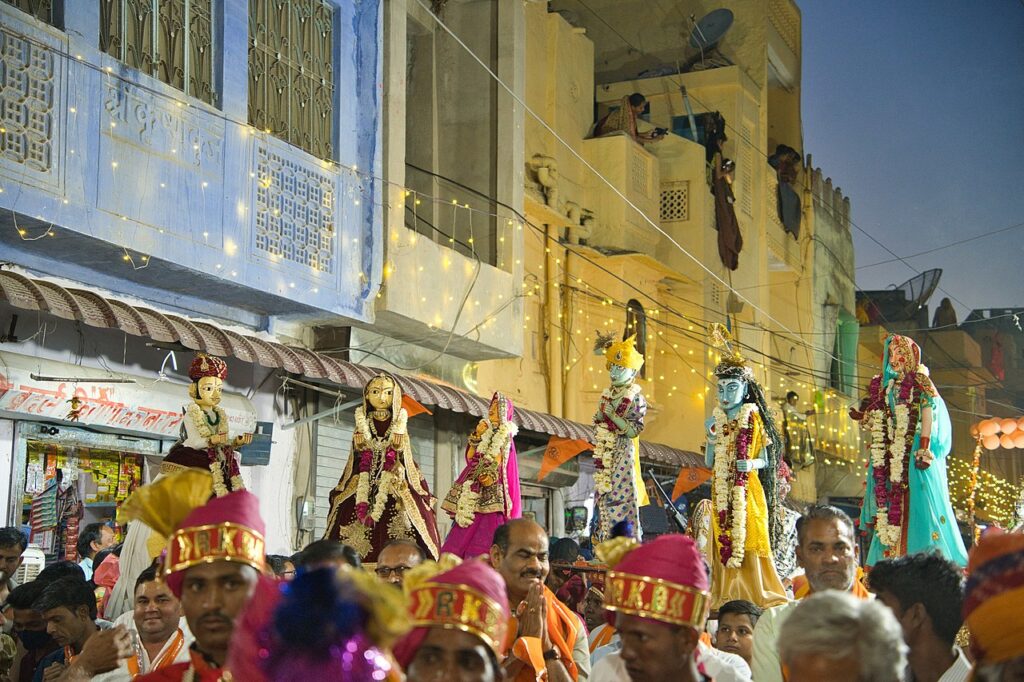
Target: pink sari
496, 503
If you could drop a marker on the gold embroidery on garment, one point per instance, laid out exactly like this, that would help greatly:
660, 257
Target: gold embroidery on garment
357, 536
398, 526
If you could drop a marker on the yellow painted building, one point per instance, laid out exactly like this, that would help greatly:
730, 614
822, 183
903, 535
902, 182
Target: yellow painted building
609, 226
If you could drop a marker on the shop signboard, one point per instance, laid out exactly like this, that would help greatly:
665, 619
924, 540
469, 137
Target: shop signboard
145, 406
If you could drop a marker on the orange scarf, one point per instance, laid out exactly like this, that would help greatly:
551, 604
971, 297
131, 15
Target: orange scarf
603, 638
802, 588
563, 627
163, 660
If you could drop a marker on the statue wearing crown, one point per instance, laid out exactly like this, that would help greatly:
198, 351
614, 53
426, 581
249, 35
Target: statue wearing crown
205, 442
382, 495
743, 451
617, 424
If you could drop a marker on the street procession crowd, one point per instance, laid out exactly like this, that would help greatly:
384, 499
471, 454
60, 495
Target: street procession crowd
752, 590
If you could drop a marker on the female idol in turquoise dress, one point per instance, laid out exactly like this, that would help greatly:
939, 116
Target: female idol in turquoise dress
906, 506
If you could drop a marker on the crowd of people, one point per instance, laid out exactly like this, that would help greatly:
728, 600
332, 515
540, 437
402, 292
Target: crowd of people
214, 606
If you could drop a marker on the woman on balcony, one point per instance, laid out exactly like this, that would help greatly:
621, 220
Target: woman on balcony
623, 120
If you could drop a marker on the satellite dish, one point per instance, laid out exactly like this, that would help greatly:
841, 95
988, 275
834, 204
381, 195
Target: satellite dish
919, 289
711, 29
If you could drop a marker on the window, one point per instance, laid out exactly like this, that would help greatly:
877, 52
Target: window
42, 10
842, 370
171, 40
451, 128
636, 323
291, 72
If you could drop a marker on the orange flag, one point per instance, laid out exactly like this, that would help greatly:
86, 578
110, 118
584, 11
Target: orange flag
688, 479
412, 406
560, 451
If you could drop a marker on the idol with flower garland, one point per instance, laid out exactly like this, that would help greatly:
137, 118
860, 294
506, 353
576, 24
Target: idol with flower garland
906, 505
617, 424
382, 495
205, 442
486, 493
743, 451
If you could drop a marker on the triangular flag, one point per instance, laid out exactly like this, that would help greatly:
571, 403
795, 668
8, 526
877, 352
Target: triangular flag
412, 406
688, 479
558, 452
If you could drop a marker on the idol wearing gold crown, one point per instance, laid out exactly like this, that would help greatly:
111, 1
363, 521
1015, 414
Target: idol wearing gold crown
743, 451
382, 495
617, 424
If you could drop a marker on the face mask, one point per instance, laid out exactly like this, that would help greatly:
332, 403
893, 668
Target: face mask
35, 639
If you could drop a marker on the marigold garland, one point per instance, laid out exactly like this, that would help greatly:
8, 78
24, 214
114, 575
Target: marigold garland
219, 455
892, 439
484, 465
379, 455
606, 435
730, 484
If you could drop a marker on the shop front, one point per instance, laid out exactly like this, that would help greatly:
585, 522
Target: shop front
76, 441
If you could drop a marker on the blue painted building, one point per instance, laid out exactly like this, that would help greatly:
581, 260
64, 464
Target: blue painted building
197, 155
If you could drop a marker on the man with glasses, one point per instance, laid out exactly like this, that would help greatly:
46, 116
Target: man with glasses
397, 557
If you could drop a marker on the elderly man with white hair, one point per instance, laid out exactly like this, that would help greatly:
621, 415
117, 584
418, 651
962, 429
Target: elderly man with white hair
834, 636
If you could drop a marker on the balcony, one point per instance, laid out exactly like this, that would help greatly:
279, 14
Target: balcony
634, 172
147, 191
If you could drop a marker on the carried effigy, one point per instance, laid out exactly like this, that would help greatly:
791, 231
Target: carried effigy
382, 495
486, 493
617, 424
743, 451
906, 505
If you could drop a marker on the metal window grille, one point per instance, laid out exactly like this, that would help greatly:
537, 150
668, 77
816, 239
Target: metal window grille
171, 40
291, 72
40, 9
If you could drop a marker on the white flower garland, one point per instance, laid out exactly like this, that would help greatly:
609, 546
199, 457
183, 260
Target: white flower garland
206, 431
386, 482
494, 445
889, 534
605, 441
725, 477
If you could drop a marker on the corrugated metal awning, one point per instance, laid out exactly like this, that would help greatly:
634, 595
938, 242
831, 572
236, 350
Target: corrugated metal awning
107, 313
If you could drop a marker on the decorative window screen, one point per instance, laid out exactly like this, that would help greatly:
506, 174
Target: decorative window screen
675, 201
40, 9
291, 72
171, 40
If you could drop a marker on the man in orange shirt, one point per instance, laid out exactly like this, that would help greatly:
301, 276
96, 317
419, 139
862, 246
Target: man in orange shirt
543, 634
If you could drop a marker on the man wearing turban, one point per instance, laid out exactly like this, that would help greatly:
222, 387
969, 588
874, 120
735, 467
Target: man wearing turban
993, 600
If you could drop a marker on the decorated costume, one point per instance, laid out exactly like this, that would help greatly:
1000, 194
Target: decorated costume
451, 595
906, 505
617, 424
382, 495
663, 581
206, 445
205, 442
785, 547
201, 530
486, 493
325, 625
743, 451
